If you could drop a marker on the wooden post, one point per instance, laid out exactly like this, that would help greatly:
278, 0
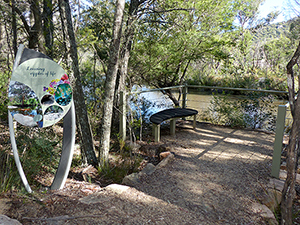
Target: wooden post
280, 124
194, 122
172, 126
122, 125
184, 96
156, 130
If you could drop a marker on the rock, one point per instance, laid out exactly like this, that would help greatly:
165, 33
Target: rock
165, 161
163, 155
149, 169
5, 220
104, 195
283, 175
276, 184
131, 179
264, 212
283, 166
273, 199
117, 188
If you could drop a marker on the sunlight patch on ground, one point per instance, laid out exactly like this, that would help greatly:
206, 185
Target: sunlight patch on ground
204, 142
235, 141
259, 157
212, 135
221, 153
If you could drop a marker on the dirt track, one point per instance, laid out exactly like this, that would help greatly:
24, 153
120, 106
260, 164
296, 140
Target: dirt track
218, 174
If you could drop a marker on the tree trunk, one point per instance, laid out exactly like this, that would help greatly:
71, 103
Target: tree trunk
14, 27
48, 27
126, 48
78, 96
36, 39
288, 192
172, 97
125, 55
64, 32
110, 84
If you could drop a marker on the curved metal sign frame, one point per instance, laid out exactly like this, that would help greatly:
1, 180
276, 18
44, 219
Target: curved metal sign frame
46, 104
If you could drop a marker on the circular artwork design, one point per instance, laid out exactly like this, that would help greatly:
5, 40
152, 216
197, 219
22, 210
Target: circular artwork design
39, 93
24, 104
53, 112
47, 100
63, 94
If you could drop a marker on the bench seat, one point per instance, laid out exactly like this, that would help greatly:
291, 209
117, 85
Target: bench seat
172, 114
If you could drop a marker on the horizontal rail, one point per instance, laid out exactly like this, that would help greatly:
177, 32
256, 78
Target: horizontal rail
211, 87
238, 89
157, 89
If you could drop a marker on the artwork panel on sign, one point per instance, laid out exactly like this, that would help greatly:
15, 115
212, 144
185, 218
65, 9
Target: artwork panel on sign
45, 88
53, 112
24, 104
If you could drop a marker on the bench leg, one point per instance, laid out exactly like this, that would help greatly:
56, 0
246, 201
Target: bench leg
156, 131
172, 126
194, 123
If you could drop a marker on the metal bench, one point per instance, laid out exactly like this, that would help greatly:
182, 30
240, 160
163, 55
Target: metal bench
171, 114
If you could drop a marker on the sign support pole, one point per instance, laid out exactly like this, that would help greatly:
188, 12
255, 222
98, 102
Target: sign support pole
16, 154
67, 150
62, 95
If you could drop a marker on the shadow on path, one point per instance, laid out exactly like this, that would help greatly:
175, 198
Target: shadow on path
218, 173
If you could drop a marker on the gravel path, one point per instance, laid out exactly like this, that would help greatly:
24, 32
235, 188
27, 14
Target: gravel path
218, 173
216, 177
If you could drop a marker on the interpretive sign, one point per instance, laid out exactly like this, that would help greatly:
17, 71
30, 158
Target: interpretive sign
40, 95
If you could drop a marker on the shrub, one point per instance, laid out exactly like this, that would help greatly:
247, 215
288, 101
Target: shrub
121, 164
38, 151
4, 77
9, 177
254, 111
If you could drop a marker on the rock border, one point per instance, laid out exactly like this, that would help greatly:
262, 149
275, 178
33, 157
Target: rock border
134, 178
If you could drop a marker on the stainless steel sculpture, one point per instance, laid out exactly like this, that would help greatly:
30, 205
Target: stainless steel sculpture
40, 95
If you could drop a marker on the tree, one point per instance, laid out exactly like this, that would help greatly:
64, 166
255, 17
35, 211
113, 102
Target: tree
83, 128
48, 26
110, 84
129, 33
175, 34
247, 13
288, 192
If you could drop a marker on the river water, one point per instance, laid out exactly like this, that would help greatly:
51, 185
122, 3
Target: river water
200, 101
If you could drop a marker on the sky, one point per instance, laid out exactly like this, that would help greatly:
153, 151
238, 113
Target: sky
271, 5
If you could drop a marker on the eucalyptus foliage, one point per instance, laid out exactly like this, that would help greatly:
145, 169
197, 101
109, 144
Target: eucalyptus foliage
173, 34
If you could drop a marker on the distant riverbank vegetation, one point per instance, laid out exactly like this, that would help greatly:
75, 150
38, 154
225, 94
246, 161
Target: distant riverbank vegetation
248, 81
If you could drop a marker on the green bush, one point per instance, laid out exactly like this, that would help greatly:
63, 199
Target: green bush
124, 162
254, 80
224, 111
4, 78
38, 151
253, 111
9, 177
